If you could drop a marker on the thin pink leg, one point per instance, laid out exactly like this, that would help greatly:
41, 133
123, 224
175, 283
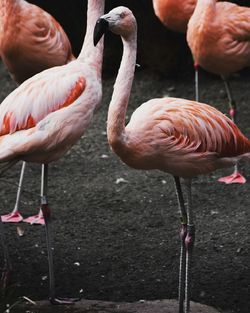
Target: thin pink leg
38, 218
236, 177
196, 68
15, 216
47, 217
183, 234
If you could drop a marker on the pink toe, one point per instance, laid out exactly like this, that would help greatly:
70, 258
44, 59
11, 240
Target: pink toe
36, 219
235, 178
13, 217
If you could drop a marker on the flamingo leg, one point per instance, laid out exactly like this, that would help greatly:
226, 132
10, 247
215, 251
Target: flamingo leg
236, 177
47, 219
7, 267
183, 233
15, 216
38, 218
189, 242
196, 69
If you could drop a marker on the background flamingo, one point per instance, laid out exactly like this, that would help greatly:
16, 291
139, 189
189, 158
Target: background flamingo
48, 113
219, 37
39, 43
174, 14
177, 136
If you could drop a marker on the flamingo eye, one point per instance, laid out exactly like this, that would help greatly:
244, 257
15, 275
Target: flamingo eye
122, 15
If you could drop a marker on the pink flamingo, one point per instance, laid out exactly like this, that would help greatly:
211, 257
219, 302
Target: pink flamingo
218, 35
48, 113
181, 137
174, 14
39, 43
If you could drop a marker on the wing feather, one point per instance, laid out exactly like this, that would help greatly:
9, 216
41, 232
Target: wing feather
44, 31
44, 93
237, 20
190, 127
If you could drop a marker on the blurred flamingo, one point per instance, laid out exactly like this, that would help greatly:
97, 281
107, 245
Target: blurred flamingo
181, 137
174, 14
218, 35
48, 113
31, 40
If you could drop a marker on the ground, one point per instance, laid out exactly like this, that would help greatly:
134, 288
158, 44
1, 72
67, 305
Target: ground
116, 230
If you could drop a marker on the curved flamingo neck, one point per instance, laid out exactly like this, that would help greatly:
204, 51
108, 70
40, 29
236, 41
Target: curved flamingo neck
4, 3
9, 13
122, 89
203, 5
89, 53
203, 16
6, 6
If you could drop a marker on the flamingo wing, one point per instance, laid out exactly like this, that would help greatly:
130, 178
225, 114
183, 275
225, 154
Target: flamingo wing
236, 20
174, 14
40, 95
39, 42
45, 33
183, 126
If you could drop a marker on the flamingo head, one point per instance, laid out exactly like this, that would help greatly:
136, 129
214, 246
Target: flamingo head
120, 21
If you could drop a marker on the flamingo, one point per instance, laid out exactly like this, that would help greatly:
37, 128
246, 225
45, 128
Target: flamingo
39, 43
218, 35
174, 14
181, 137
48, 113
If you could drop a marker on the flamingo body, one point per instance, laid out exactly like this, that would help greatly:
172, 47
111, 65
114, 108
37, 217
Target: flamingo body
43, 117
184, 138
219, 36
31, 40
41, 120
174, 14
181, 137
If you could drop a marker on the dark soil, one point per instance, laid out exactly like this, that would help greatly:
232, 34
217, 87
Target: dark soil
116, 230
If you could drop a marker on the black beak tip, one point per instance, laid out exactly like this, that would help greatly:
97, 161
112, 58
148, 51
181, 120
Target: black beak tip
101, 28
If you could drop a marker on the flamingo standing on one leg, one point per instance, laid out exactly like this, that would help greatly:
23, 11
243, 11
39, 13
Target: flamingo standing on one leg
219, 37
181, 137
175, 14
31, 40
48, 113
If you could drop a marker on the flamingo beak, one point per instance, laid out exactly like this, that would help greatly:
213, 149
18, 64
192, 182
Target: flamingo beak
101, 27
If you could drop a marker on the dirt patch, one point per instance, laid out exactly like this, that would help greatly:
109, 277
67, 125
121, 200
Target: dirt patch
116, 230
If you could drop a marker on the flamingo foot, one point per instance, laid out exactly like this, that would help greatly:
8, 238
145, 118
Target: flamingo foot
63, 301
35, 219
235, 178
13, 217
